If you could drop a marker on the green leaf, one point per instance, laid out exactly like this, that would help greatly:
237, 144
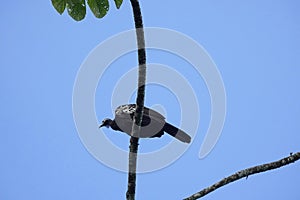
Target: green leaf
59, 5
98, 7
118, 3
76, 9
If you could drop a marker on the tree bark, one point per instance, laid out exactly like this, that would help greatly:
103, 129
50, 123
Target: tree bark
130, 194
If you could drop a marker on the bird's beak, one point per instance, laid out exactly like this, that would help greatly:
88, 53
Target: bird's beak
101, 125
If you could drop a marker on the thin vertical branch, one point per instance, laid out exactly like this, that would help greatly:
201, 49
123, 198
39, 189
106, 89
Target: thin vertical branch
130, 194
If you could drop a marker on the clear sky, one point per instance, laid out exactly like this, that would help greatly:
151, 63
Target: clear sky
255, 45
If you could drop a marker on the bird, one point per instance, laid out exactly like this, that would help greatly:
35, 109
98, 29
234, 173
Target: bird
153, 123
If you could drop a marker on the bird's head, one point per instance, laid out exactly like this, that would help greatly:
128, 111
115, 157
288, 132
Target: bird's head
106, 122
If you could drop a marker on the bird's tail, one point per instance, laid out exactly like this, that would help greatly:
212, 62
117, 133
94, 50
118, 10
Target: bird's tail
177, 133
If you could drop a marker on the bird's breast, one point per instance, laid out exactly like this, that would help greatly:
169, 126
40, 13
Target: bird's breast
150, 126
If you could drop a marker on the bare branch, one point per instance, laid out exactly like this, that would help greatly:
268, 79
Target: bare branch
245, 173
130, 194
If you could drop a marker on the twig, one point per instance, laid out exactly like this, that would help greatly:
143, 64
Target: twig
245, 173
130, 194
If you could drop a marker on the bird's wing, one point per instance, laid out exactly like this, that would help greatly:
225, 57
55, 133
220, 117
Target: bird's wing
129, 109
153, 114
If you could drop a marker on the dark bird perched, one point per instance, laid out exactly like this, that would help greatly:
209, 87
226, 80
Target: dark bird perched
153, 123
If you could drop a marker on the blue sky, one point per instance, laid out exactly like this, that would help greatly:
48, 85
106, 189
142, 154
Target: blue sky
255, 45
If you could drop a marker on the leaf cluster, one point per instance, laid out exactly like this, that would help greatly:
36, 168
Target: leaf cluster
77, 8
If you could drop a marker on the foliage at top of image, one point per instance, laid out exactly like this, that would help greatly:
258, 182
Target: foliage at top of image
77, 8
